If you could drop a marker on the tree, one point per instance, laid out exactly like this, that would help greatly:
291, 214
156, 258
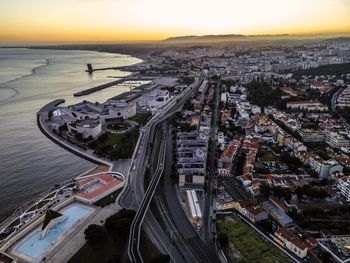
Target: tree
78, 136
63, 127
119, 224
281, 192
265, 190
261, 94
314, 212
240, 164
291, 161
50, 114
94, 234
312, 192
299, 192
266, 225
223, 240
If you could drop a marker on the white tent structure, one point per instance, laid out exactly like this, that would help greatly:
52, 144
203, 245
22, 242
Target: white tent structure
51, 219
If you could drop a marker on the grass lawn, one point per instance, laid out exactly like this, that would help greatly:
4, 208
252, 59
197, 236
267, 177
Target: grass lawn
250, 246
109, 199
114, 139
116, 146
118, 126
142, 118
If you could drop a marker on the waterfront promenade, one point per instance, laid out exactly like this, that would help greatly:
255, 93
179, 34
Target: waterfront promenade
75, 239
42, 117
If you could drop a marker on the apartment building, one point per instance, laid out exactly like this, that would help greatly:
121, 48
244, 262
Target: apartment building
336, 140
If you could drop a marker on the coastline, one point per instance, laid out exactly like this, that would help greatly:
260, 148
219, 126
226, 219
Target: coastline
68, 148
99, 164
93, 48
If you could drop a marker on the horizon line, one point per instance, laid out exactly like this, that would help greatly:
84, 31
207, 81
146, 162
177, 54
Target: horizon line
318, 34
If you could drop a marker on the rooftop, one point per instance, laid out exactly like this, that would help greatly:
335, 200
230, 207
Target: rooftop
95, 186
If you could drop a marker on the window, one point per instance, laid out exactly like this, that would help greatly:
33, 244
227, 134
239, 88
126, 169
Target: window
188, 179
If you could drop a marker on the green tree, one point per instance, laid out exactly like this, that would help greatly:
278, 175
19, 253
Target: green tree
223, 240
50, 114
265, 190
94, 234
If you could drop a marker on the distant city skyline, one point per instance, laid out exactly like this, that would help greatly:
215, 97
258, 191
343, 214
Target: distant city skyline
134, 20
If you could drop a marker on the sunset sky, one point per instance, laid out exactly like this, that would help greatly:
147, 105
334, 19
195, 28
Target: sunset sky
121, 20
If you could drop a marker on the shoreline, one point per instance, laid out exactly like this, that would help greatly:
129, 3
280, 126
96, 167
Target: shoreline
94, 160
141, 57
66, 147
101, 165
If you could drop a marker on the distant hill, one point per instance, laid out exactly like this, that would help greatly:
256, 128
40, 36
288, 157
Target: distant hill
222, 38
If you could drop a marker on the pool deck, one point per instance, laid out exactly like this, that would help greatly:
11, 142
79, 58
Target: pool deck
71, 241
12, 244
66, 250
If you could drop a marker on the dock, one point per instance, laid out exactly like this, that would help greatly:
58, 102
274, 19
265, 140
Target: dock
133, 77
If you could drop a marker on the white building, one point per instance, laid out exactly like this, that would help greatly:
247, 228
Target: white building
193, 204
256, 110
307, 105
343, 184
120, 108
309, 135
291, 241
221, 138
154, 99
111, 109
336, 140
324, 168
88, 128
344, 98
191, 158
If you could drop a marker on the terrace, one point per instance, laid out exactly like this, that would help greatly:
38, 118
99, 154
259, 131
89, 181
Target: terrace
32, 246
98, 186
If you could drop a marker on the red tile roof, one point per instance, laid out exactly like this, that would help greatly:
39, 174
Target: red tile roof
288, 234
86, 181
248, 203
100, 190
108, 182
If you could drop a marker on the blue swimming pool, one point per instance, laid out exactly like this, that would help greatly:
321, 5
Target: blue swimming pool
35, 247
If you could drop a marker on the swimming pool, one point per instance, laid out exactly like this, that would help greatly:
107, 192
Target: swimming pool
35, 247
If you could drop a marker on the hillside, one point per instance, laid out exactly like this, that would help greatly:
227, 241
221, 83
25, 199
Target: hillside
221, 38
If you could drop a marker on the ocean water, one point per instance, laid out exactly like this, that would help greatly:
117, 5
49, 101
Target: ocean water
29, 162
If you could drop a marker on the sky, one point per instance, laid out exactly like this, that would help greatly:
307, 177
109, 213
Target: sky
134, 20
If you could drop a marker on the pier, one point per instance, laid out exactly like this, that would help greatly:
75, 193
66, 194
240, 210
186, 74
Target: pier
133, 77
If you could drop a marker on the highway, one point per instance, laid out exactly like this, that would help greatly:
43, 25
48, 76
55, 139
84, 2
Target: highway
133, 192
134, 238
335, 97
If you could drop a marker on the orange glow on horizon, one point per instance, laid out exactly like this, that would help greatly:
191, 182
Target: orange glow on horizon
137, 20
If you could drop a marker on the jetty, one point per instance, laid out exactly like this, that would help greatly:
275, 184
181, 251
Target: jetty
133, 77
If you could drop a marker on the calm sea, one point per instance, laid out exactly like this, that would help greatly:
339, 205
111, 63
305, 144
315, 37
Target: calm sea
29, 162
